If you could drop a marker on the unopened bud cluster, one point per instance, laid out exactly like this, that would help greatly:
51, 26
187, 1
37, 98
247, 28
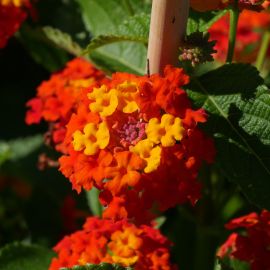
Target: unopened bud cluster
197, 49
194, 55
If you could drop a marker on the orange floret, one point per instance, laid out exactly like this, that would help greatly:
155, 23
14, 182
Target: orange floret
125, 173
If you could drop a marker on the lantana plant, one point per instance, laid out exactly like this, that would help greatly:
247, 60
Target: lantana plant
153, 135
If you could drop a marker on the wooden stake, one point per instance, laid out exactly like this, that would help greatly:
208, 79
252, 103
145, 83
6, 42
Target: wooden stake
167, 29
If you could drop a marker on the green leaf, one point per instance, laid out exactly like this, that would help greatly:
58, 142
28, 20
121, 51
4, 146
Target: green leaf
106, 57
135, 29
19, 148
103, 17
93, 201
41, 49
4, 152
62, 40
25, 257
202, 21
102, 266
231, 264
159, 222
239, 119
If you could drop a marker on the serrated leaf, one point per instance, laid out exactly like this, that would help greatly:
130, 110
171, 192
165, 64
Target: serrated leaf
102, 17
202, 21
101, 266
25, 257
19, 148
62, 40
134, 29
93, 201
239, 110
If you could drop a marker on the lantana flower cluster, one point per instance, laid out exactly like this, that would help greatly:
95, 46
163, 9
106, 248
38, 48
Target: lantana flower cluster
12, 14
205, 5
252, 243
250, 29
136, 139
58, 98
122, 243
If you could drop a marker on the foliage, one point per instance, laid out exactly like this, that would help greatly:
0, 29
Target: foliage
231, 264
23, 256
239, 120
121, 56
19, 148
202, 21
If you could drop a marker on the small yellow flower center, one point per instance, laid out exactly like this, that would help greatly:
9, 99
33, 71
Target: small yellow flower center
104, 101
152, 155
93, 138
167, 131
124, 246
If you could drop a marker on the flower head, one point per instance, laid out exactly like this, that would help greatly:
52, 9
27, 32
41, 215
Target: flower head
121, 243
57, 99
249, 33
12, 16
147, 128
252, 243
205, 5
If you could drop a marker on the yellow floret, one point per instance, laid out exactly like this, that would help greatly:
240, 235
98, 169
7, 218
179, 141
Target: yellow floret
82, 83
167, 131
126, 92
124, 246
93, 138
104, 102
152, 155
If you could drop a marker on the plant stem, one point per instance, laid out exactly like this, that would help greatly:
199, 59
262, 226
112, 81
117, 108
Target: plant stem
129, 7
234, 16
205, 250
263, 50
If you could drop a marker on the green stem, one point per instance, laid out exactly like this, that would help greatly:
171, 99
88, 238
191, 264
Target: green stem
205, 250
263, 50
234, 16
129, 7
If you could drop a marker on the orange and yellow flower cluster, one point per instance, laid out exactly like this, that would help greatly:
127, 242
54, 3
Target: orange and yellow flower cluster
142, 248
136, 139
252, 243
12, 14
58, 98
251, 27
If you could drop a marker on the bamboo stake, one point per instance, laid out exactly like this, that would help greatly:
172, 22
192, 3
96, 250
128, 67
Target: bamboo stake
167, 29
